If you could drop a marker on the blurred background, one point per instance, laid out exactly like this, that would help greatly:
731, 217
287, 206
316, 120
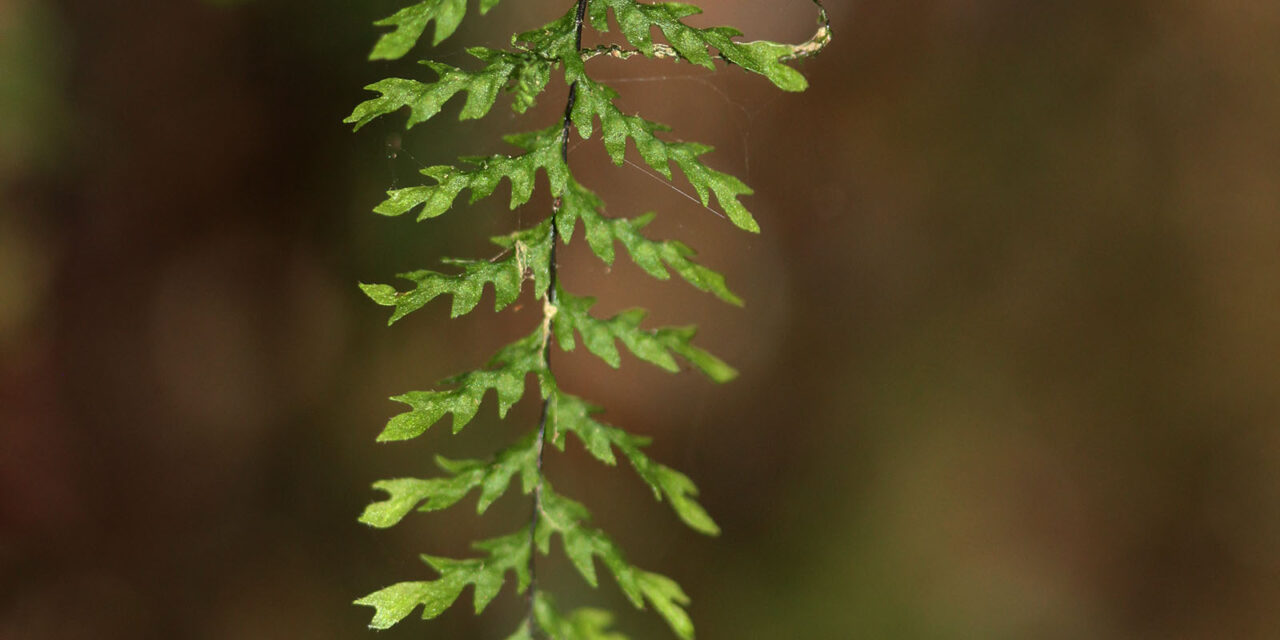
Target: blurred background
1010, 360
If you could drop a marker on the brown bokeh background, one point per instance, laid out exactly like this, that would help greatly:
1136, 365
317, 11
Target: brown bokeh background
1010, 360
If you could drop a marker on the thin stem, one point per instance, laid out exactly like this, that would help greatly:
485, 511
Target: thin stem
550, 296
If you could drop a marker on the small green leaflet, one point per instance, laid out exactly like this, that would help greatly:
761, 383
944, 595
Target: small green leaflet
529, 252
581, 204
581, 624
669, 599
505, 374
508, 553
521, 170
572, 414
653, 346
403, 495
637, 19
493, 477
582, 544
554, 41
466, 287
425, 100
596, 101
411, 21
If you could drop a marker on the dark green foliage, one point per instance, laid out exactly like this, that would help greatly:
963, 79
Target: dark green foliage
481, 180
637, 20
650, 255
504, 374
573, 415
529, 254
411, 21
654, 346
525, 75
508, 553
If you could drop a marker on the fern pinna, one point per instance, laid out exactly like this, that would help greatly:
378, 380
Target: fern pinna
530, 254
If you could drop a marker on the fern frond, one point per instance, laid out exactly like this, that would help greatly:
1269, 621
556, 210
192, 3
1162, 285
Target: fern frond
466, 287
532, 249
556, 40
650, 255
504, 374
529, 251
434, 494
655, 346
509, 553
525, 75
596, 101
411, 21
482, 179
637, 19
571, 414
530, 254
581, 624
582, 545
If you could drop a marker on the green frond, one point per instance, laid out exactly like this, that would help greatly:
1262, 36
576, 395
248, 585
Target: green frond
580, 204
637, 19
571, 414
508, 553
656, 346
520, 170
403, 494
536, 140
524, 72
580, 624
582, 544
525, 75
596, 101
530, 252
669, 600
466, 287
705, 179
556, 40
532, 247
505, 374
492, 476
412, 20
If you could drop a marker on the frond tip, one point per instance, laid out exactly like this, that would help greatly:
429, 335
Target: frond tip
411, 21
506, 554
